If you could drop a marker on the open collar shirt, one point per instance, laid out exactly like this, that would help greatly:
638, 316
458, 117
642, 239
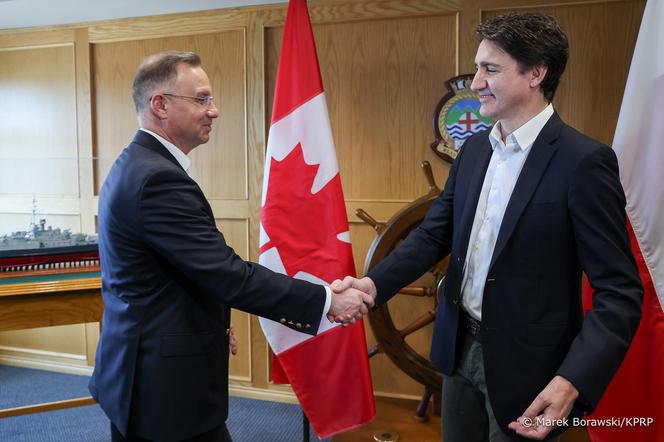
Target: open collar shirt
506, 162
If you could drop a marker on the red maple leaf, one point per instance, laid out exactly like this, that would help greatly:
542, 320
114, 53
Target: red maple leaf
303, 226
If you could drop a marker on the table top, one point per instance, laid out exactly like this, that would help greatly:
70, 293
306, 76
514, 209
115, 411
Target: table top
24, 284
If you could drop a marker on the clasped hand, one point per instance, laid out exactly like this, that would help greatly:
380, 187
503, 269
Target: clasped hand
351, 299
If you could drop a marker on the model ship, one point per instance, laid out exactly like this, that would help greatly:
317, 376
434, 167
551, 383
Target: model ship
43, 247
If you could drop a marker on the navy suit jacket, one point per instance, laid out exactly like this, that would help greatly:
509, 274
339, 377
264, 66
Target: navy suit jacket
168, 282
566, 215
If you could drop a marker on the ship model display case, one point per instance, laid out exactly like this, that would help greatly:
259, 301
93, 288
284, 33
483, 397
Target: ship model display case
48, 277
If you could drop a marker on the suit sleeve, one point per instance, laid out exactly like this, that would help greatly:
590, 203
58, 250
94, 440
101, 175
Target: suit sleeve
176, 224
427, 244
597, 208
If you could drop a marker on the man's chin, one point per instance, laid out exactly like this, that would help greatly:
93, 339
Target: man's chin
486, 112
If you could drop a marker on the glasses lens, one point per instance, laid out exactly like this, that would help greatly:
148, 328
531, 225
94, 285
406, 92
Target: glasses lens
205, 101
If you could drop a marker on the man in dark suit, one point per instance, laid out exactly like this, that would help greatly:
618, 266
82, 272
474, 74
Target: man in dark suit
168, 277
527, 207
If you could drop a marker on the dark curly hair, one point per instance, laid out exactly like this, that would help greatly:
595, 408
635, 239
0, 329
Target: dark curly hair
532, 39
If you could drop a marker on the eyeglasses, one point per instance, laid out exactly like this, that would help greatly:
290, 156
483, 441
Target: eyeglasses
203, 101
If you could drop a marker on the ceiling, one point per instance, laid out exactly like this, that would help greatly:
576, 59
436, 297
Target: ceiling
29, 13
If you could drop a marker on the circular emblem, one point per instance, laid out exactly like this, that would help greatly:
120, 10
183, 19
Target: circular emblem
457, 117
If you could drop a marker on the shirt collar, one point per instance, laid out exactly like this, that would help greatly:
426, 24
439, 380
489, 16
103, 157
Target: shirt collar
180, 156
524, 136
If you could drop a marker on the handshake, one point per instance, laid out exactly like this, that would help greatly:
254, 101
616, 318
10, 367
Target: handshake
351, 299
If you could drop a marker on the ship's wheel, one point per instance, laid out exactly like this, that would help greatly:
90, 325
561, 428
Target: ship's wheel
391, 336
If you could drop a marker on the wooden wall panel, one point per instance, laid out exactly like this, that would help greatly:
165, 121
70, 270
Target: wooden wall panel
383, 79
87, 202
38, 121
39, 159
219, 165
168, 25
62, 339
236, 234
602, 38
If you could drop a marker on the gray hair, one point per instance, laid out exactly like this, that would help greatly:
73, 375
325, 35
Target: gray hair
156, 70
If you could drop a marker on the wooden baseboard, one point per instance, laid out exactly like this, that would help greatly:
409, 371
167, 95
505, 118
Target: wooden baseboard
29, 359
47, 406
262, 394
289, 397
405, 397
42, 364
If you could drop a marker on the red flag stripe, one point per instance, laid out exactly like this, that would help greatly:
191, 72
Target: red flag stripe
634, 394
298, 75
641, 372
332, 407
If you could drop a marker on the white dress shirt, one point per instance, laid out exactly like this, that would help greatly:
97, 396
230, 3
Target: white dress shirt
504, 168
185, 162
180, 156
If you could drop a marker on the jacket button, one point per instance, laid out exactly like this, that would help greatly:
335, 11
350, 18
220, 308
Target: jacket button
298, 325
307, 326
290, 322
282, 320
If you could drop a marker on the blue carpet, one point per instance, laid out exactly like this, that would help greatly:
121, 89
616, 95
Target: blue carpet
248, 420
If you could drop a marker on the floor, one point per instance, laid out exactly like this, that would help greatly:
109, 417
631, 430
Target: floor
395, 416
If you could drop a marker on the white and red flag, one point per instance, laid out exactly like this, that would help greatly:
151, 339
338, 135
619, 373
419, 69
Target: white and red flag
304, 234
637, 389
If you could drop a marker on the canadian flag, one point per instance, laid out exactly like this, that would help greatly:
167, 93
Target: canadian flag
636, 391
304, 234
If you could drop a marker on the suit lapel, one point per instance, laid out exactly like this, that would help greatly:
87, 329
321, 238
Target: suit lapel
472, 196
146, 140
533, 169
149, 142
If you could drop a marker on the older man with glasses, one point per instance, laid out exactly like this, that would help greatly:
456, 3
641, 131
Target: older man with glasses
168, 277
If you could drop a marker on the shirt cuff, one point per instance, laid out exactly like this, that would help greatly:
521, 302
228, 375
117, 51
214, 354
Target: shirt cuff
328, 301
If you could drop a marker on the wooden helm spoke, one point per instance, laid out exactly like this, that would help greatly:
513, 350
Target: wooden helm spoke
409, 355
373, 351
417, 291
428, 173
364, 216
421, 322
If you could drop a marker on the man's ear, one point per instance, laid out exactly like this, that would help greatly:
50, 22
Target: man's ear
537, 75
158, 106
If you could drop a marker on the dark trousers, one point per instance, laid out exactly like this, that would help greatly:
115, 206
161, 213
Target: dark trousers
467, 414
219, 434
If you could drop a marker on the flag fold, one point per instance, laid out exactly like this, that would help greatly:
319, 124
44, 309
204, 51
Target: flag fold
635, 393
304, 234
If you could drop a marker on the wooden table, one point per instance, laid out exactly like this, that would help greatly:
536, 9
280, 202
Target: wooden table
44, 300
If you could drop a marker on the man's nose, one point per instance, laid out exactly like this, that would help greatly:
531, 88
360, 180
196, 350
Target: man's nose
478, 82
213, 111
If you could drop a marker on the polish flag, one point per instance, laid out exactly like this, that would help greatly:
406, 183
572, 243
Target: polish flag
304, 234
636, 390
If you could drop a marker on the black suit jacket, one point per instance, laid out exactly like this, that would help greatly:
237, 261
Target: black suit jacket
566, 215
168, 281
